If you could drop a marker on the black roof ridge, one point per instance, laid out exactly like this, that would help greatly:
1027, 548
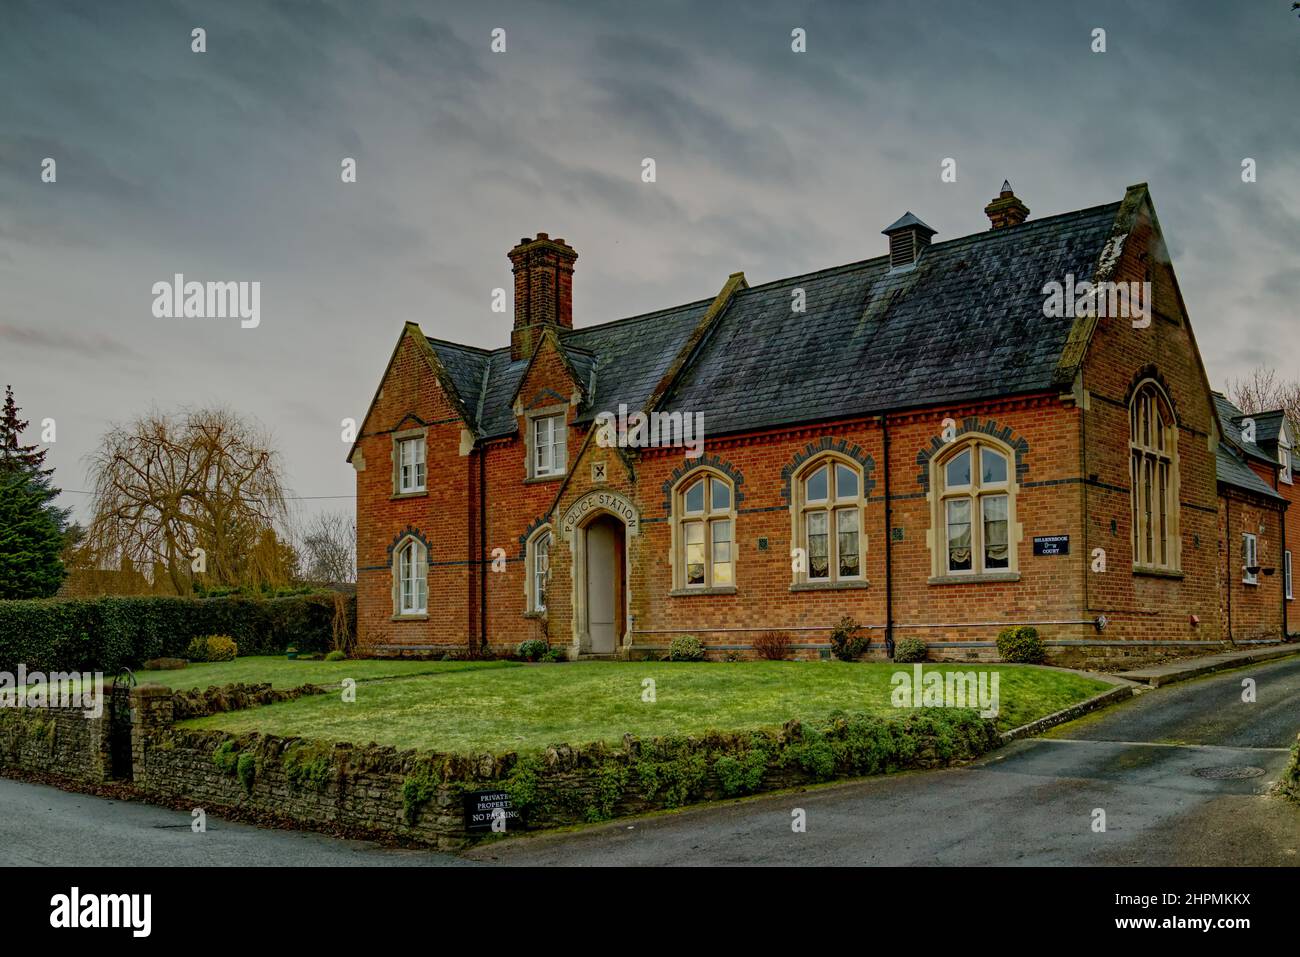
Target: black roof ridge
969, 237
458, 345
639, 316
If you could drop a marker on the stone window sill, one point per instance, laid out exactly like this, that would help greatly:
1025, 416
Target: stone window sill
1157, 573
536, 615
420, 494
829, 585
985, 578
424, 617
715, 590
538, 479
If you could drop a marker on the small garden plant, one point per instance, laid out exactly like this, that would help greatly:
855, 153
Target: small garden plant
1021, 645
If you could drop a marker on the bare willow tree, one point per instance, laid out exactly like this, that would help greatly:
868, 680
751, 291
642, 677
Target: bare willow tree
170, 484
1263, 390
327, 548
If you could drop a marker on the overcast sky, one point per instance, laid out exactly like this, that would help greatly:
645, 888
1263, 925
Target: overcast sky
225, 165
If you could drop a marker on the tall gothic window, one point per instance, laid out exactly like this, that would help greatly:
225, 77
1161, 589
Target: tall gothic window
1153, 474
410, 578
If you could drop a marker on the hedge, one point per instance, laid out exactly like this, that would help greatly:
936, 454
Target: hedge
107, 633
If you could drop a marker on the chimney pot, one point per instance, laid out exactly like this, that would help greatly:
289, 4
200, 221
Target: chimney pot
1006, 210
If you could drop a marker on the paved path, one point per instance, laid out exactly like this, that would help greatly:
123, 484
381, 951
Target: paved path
1032, 802
42, 825
1184, 668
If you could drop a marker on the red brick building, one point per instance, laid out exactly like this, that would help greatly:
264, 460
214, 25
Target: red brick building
936, 441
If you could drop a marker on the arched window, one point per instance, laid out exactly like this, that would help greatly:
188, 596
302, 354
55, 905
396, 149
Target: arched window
538, 555
1153, 473
410, 578
705, 522
975, 509
829, 521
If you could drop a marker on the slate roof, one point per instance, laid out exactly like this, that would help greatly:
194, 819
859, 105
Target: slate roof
1230, 464
966, 323
1231, 470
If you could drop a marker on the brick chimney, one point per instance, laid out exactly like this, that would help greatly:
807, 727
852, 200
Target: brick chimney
1006, 210
908, 237
543, 269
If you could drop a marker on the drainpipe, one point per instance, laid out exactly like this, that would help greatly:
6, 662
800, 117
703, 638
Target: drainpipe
482, 544
889, 550
1277, 487
1229, 551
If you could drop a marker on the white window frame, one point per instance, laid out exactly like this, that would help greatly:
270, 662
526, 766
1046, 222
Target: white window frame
1284, 459
547, 456
709, 519
538, 581
418, 474
1286, 575
976, 493
1249, 557
411, 565
831, 507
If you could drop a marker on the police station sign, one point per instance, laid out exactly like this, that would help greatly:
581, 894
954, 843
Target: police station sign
592, 503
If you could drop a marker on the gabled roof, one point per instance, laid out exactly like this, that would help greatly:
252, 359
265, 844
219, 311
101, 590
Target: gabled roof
1230, 457
1230, 420
966, 323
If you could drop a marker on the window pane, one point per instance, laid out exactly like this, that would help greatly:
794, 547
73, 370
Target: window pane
957, 471
721, 492
1148, 528
818, 559
993, 467
846, 527
721, 553
816, 486
559, 458
846, 482
695, 497
959, 545
997, 554
541, 571
1162, 504
694, 553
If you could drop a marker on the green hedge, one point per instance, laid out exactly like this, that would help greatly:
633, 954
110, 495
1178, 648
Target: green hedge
104, 634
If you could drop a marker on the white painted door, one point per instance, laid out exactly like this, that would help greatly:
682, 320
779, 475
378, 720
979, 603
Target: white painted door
602, 586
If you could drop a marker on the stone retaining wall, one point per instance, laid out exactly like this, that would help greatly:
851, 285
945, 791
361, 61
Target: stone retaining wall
418, 797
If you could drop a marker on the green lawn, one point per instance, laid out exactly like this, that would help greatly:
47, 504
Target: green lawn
530, 707
283, 673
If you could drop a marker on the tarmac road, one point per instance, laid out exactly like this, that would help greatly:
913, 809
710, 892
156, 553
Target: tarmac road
1034, 802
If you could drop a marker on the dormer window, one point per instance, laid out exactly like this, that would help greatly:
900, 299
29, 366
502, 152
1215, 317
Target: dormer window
1284, 460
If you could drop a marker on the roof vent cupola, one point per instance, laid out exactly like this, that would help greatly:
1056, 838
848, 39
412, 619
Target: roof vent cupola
908, 238
1006, 210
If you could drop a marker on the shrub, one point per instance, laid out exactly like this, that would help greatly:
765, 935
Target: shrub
685, 648
909, 650
553, 654
198, 649
532, 649
1021, 644
336, 655
109, 632
847, 643
221, 648
772, 645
